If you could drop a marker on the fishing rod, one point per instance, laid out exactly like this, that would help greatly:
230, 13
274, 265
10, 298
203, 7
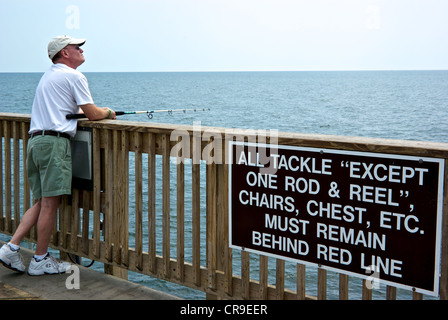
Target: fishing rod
149, 113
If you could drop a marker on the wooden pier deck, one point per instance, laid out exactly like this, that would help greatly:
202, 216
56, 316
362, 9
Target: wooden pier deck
94, 285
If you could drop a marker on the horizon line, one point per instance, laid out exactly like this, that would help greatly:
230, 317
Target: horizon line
229, 71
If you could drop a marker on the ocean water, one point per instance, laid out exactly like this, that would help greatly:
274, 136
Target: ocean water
408, 105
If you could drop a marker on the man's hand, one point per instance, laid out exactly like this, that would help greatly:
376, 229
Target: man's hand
110, 113
96, 113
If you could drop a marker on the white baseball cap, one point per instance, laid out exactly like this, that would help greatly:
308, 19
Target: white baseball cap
60, 42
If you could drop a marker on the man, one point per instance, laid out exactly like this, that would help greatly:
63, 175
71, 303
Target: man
62, 90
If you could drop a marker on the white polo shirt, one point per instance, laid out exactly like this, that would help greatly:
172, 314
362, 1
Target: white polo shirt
61, 91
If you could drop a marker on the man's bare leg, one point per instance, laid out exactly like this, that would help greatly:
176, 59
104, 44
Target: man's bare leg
46, 222
28, 220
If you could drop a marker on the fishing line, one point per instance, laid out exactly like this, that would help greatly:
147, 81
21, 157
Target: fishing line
77, 260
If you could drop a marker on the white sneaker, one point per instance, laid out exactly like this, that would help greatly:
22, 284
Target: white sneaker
11, 259
48, 265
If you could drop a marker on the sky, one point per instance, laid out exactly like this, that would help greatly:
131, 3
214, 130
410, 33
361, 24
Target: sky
229, 35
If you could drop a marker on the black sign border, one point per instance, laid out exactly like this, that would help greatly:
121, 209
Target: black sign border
439, 218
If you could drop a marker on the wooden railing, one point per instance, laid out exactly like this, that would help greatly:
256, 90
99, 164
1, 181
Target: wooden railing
155, 212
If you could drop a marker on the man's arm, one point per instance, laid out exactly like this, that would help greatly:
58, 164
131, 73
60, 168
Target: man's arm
96, 113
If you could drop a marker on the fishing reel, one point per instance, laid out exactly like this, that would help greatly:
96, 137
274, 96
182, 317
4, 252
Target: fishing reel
170, 112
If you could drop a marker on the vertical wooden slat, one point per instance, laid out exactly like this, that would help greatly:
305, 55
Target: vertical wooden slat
16, 172
124, 208
25, 183
7, 182
85, 220
343, 287
321, 284
152, 202
224, 252
245, 275
65, 210
138, 215
57, 231
54, 238
366, 291
166, 203
2, 150
26, 187
301, 281
180, 217
196, 211
211, 225
280, 279
75, 220
391, 293
263, 290
417, 296
117, 196
109, 166
96, 192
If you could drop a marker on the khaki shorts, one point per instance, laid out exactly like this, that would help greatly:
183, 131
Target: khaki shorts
49, 166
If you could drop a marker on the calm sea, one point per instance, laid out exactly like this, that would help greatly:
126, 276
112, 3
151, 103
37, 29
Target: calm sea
409, 105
